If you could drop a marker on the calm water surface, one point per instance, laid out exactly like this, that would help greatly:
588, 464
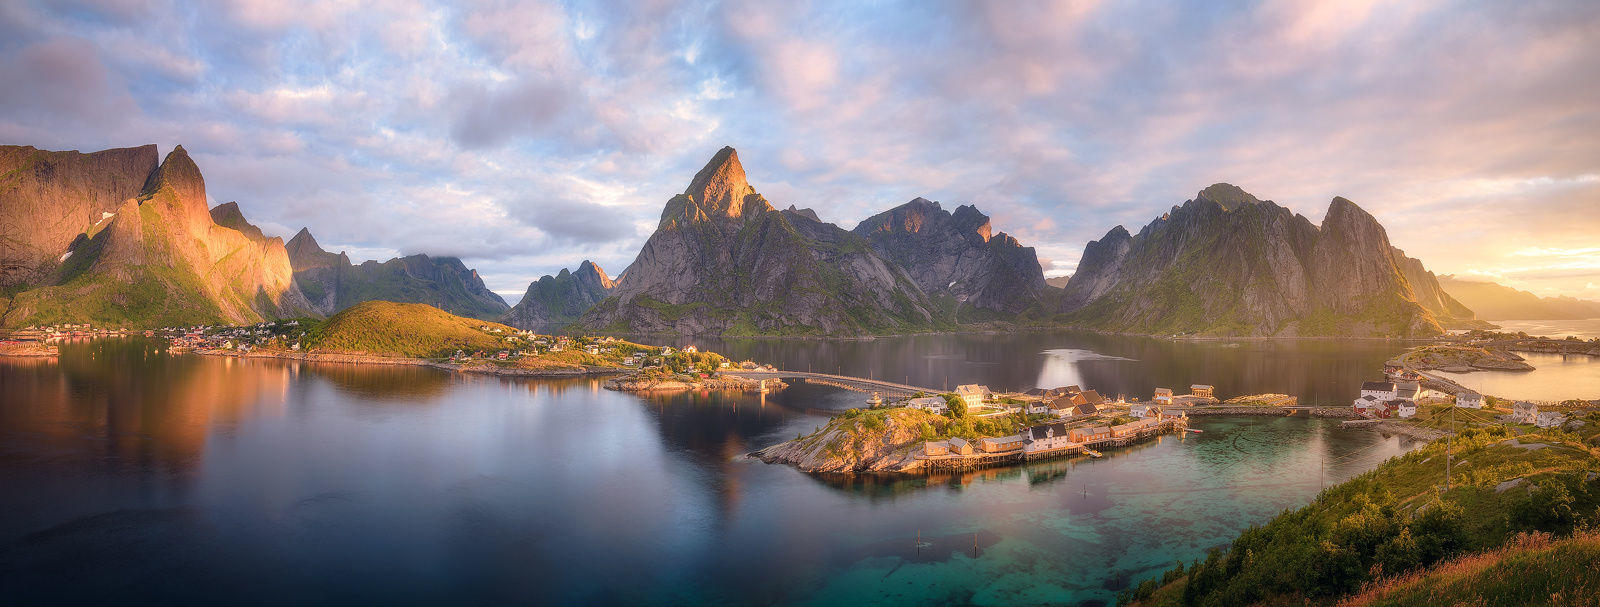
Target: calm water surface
136, 477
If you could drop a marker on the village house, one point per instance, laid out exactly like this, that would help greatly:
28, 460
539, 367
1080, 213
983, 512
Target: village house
960, 446
974, 394
931, 404
1045, 437
1002, 444
1469, 399
1407, 389
1549, 419
1132, 428
1084, 409
1381, 390
1089, 435
936, 447
1141, 410
1202, 390
1163, 396
1404, 407
1041, 406
690, 349
1060, 407
1524, 412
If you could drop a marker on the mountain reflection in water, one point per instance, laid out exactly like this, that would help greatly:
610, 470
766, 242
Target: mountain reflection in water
144, 478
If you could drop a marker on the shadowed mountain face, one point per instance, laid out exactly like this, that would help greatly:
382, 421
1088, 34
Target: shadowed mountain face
954, 255
1499, 302
332, 283
560, 299
1227, 263
157, 259
724, 261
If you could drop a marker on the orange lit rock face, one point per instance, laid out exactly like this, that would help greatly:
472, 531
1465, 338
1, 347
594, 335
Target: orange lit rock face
161, 255
48, 198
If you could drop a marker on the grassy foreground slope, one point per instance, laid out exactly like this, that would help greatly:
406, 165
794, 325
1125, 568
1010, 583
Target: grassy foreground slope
1531, 569
1398, 519
402, 329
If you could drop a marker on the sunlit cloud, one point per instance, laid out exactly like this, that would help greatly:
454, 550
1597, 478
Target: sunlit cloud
527, 136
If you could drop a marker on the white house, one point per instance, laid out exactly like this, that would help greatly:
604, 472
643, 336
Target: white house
1405, 407
1144, 410
1524, 412
1549, 419
1381, 390
931, 404
972, 393
1045, 437
1469, 399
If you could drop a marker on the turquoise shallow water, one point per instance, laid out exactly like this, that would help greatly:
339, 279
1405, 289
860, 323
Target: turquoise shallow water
144, 478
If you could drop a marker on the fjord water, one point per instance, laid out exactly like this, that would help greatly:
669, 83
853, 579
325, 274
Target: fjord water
139, 477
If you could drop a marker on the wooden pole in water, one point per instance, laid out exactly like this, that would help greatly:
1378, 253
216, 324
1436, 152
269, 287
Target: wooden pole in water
974, 545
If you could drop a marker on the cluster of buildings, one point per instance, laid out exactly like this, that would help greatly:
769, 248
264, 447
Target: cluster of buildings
1057, 438
1199, 394
1524, 412
1385, 399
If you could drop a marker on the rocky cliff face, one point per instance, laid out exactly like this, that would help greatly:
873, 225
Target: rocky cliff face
561, 299
1227, 263
160, 259
954, 255
48, 198
1425, 288
332, 283
723, 260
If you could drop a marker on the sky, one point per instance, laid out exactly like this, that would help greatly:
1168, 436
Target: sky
527, 137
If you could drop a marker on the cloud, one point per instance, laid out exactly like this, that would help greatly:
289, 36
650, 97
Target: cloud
498, 130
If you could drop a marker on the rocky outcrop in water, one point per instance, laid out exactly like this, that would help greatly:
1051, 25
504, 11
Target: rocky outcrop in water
161, 259
332, 283
561, 299
954, 255
1226, 263
723, 261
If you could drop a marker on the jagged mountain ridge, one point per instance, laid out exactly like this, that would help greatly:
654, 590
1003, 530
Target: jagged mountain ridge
954, 255
332, 283
724, 261
1228, 263
560, 299
160, 259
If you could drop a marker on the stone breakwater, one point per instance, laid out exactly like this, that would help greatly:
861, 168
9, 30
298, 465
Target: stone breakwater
1328, 412
735, 384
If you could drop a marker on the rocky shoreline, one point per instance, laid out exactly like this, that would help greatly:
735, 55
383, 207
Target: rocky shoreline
370, 359
1325, 412
28, 349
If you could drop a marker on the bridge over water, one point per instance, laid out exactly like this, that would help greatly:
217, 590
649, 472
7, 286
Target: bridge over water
859, 384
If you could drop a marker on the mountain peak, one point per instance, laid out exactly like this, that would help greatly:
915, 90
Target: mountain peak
593, 272
1228, 195
181, 174
720, 187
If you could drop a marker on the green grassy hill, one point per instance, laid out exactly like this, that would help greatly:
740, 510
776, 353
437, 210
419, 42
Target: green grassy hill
400, 329
1398, 520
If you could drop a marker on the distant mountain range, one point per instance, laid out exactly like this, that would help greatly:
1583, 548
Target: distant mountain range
332, 283
1499, 302
113, 237
555, 301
